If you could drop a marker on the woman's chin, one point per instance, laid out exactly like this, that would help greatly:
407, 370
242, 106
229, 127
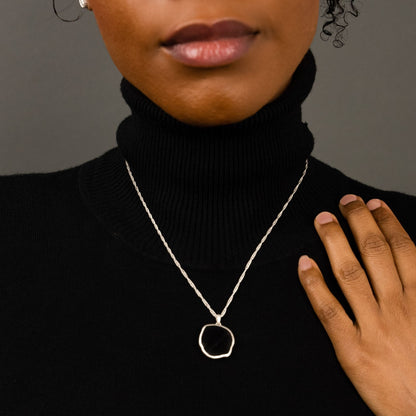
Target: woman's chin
214, 119
213, 112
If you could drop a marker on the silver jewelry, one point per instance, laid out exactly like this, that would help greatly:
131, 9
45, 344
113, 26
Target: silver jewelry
83, 4
215, 340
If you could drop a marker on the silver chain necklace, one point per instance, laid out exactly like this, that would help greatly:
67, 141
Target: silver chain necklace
216, 340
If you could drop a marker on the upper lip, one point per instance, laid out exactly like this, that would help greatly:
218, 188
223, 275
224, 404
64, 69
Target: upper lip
226, 28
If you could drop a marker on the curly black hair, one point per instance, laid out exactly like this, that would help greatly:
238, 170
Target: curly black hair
334, 10
337, 11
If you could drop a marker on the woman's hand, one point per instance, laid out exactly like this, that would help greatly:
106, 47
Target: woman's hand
378, 350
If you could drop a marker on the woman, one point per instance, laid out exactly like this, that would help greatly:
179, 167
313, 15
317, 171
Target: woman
212, 183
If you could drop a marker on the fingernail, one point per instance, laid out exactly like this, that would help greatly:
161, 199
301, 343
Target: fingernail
373, 204
324, 218
305, 263
346, 199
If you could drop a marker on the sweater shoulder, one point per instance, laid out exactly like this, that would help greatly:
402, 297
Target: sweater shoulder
336, 176
29, 190
32, 204
10, 181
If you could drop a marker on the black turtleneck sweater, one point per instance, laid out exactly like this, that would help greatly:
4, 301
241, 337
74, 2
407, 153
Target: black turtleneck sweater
96, 319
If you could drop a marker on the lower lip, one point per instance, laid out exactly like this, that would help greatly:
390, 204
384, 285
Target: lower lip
208, 54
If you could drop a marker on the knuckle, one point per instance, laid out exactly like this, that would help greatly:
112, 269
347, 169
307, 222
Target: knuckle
327, 312
374, 244
350, 271
401, 242
402, 311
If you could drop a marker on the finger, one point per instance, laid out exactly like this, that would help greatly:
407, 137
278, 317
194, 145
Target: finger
350, 275
374, 248
402, 246
330, 312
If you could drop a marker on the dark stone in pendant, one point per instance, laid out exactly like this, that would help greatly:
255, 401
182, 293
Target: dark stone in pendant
216, 341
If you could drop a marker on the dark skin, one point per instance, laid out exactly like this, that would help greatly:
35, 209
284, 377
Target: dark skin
132, 31
378, 350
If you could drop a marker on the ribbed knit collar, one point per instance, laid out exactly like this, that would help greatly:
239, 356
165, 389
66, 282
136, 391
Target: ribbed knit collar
213, 191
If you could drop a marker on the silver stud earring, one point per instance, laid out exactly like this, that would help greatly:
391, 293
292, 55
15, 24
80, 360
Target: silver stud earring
83, 4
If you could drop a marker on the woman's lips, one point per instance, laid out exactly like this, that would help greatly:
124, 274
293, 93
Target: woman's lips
200, 45
211, 53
